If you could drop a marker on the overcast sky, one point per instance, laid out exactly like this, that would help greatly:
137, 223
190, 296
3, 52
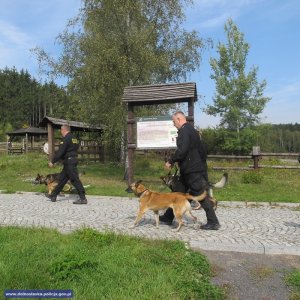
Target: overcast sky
271, 27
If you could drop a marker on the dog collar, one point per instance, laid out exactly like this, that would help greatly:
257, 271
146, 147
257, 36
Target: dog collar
141, 194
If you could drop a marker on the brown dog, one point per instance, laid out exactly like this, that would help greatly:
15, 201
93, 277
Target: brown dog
51, 181
158, 201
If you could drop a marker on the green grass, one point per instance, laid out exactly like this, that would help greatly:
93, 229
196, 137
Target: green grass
102, 265
271, 185
276, 186
293, 280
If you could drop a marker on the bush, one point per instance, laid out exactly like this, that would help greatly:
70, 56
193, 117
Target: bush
252, 177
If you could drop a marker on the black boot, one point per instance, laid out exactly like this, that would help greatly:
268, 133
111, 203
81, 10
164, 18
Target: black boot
51, 197
82, 200
212, 220
210, 226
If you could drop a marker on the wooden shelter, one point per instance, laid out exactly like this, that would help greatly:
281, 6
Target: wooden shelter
155, 95
28, 134
53, 123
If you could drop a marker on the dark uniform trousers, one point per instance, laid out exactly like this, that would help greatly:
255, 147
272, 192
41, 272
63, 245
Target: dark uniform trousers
195, 184
69, 171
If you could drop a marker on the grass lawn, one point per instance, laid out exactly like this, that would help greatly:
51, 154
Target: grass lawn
274, 185
102, 266
293, 280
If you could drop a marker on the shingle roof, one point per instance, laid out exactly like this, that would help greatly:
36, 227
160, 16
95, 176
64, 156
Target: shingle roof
77, 126
160, 93
31, 131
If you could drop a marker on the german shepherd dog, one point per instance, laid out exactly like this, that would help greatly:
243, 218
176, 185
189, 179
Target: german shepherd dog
158, 201
172, 181
51, 181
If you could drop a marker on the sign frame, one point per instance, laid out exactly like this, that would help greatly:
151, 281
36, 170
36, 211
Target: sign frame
155, 132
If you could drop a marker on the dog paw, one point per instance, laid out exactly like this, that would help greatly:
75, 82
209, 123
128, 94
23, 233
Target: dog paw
176, 229
131, 226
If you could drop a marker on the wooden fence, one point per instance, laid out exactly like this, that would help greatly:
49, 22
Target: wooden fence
89, 150
256, 156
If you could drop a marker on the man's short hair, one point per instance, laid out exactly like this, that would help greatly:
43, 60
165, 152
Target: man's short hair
179, 113
66, 127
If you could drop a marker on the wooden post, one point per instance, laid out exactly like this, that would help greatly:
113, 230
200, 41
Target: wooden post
51, 142
130, 143
256, 156
8, 144
190, 117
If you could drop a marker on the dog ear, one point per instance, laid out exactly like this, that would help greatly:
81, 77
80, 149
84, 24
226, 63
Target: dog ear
138, 182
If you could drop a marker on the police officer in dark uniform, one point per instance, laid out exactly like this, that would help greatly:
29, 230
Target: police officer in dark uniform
68, 153
191, 157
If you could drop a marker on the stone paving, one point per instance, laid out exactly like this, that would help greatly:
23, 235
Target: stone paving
245, 227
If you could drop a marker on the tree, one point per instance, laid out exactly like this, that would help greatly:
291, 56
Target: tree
239, 96
25, 102
118, 44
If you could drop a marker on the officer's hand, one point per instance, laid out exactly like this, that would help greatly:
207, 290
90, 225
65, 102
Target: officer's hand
168, 165
50, 164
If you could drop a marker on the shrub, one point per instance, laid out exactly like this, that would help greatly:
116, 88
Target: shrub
70, 267
252, 177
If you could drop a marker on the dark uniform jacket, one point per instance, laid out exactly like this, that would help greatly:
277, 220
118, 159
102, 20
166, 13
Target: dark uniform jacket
67, 150
190, 153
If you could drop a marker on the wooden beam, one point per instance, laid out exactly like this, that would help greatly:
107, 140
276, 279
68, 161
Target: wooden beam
130, 142
51, 141
190, 117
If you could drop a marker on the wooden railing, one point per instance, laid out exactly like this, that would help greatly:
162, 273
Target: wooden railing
256, 156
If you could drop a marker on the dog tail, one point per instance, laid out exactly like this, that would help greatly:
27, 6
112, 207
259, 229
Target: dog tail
220, 183
213, 201
200, 198
197, 199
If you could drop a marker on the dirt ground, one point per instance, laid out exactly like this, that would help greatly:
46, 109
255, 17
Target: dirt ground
252, 276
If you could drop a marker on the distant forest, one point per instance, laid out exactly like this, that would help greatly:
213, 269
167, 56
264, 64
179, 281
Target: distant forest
24, 102
279, 138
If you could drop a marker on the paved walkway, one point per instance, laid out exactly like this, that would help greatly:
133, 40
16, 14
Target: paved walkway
252, 228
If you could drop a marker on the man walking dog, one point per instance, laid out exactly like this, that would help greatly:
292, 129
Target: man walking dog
191, 158
67, 151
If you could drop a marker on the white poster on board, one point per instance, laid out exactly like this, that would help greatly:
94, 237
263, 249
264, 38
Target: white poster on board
155, 133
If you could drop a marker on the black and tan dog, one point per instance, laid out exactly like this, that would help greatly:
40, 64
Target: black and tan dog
51, 181
158, 201
172, 181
